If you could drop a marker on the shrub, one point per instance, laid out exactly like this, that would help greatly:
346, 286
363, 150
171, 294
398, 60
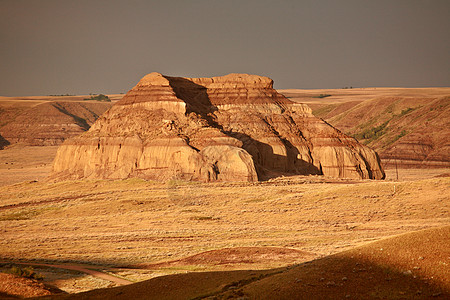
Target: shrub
99, 97
322, 96
27, 272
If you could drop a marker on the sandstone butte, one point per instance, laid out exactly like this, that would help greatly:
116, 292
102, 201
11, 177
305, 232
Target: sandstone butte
230, 128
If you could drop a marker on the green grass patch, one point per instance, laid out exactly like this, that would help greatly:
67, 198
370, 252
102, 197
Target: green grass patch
372, 133
178, 182
397, 137
25, 214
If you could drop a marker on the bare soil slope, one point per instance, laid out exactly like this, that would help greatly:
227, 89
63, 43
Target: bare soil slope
409, 125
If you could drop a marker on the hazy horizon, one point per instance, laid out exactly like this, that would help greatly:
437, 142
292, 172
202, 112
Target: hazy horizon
80, 47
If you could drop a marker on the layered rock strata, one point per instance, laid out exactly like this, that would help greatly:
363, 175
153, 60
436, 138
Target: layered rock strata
230, 128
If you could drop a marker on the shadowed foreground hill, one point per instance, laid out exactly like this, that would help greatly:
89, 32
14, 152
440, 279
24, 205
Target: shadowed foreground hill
409, 266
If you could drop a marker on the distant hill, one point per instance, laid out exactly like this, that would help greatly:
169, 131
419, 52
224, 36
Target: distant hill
410, 127
48, 120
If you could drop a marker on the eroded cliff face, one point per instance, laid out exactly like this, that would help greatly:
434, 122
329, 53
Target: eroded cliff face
230, 128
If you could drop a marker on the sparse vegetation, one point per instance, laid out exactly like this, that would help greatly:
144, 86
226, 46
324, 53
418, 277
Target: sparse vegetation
26, 272
201, 218
372, 133
214, 216
397, 137
322, 96
390, 108
406, 111
99, 97
16, 216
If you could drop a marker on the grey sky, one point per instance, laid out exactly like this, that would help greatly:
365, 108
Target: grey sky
105, 46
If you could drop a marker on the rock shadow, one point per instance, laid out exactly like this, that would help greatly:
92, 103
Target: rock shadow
194, 95
269, 164
78, 120
3, 142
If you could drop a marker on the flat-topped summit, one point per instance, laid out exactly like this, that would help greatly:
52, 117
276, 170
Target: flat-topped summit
234, 128
236, 79
229, 89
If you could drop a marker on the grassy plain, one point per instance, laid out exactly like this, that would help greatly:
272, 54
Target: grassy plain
129, 227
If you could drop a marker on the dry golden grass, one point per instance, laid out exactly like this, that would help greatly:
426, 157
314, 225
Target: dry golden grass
168, 226
20, 163
360, 94
112, 224
134, 221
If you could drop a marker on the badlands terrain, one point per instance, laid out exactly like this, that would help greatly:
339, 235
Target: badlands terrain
288, 236
407, 127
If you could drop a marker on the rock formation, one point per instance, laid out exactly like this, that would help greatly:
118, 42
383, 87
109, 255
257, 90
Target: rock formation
230, 128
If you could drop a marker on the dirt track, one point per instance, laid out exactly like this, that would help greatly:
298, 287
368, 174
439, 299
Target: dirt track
95, 273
